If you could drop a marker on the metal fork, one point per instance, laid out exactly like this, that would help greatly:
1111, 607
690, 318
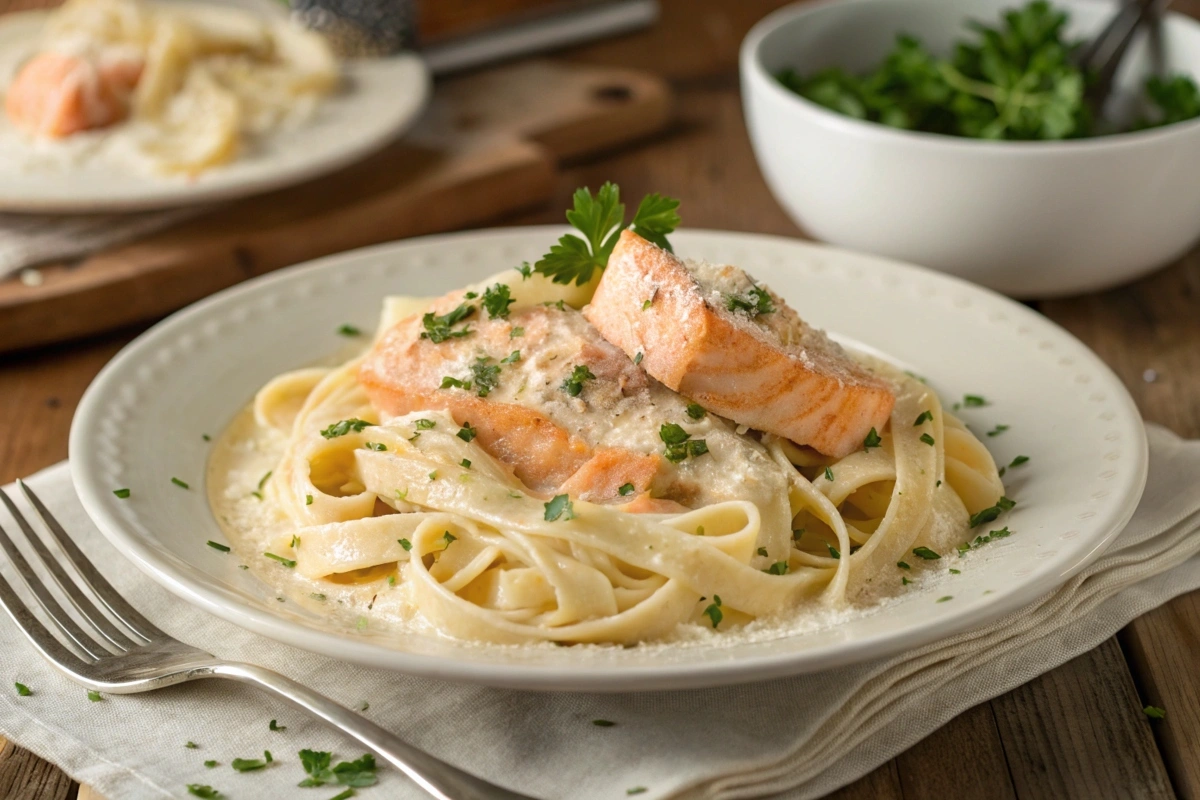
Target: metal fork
147, 659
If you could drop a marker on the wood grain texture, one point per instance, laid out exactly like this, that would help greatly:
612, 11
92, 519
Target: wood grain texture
963, 758
24, 776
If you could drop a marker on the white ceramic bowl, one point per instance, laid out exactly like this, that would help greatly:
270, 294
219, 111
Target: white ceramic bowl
1031, 219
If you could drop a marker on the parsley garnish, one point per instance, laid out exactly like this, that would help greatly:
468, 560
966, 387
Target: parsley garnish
560, 506
515, 332
954, 571
206, 437
433, 475
756, 301
318, 596
603, 723
713, 612
276, 727
201, 790
872, 440
210, 764
22, 689
762, 551
349, 330
638, 358
778, 568
179, 483
218, 546
573, 384
512, 357
496, 300
636, 790
438, 328
345, 426
308, 498
647, 304
449, 538
695, 411
680, 443
465, 463
903, 565
797, 533
979, 541
525, 270
1154, 712
455, 383
944, 599
471, 295
406, 544
121, 493
348, 773
828, 474
599, 219
833, 551
1019, 460
466, 432
926, 553
626, 489
191, 745
487, 375
378, 447
904, 581
287, 562
250, 764
424, 424
996, 431
973, 401
927, 439
924, 416
989, 514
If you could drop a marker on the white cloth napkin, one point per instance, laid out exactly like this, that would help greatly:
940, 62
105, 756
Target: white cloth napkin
804, 736
27, 240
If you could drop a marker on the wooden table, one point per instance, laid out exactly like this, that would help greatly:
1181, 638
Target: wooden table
1077, 731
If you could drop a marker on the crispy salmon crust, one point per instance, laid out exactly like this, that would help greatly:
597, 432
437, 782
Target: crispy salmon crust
57, 95
769, 371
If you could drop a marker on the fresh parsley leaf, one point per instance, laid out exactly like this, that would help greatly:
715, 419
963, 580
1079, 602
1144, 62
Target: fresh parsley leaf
191, 745
287, 562
345, 794
991, 513
828, 473
349, 330
179, 483
515, 332
378, 447
1154, 712
449, 538
973, 401
696, 411
440, 328
573, 384
406, 544
94, 696
466, 432
924, 416
944, 599
560, 506
496, 300
903, 565
872, 439
358, 773
927, 439
210, 763
424, 425
525, 269
345, 426
121, 493
276, 727
603, 723
454, 383
833, 551
22, 689
713, 612
926, 553
218, 546
202, 790
626, 489
778, 568
755, 302
996, 431
251, 764
649, 302
486, 374
512, 357
656, 216
1019, 460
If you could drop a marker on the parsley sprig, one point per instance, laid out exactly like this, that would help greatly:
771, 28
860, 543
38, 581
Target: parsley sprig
358, 773
680, 444
440, 328
600, 218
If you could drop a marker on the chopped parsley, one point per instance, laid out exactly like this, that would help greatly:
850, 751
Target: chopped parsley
345, 426
713, 612
778, 568
991, 513
872, 440
486, 374
680, 444
525, 269
210, 763
121, 493
206, 437
903, 565
465, 463
755, 302
512, 357
449, 538
954, 571
496, 301
287, 562
926, 553
433, 475
471, 295
603, 723
833, 551
560, 506
218, 546
454, 383
440, 328
980, 541
316, 765
1154, 712
797, 533
308, 498
406, 544
927, 439
22, 689
251, 764
904, 581
828, 474
466, 432
600, 218
973, 401
1019, 460
996, 431
696, 411
573, 384
349, 330
179, 483
201, 790
762, 551
638, 358
318, 596
378, 447
636, 790
944, 599
924, 416
515, 332
647, 304
626, 489
277, 727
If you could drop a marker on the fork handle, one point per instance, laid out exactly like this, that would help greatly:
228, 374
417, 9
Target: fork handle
434, 776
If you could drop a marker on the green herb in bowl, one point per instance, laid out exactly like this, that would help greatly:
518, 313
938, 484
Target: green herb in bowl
1017, 81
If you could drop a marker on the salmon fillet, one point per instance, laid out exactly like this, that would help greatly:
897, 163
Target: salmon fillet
712, 334
56, 95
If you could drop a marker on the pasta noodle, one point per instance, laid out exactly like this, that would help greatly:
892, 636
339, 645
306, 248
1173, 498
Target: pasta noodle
408, 502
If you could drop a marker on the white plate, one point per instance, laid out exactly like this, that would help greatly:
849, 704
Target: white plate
142, 418
378, 100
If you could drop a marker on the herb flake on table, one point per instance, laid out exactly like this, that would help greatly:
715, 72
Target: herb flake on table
201, 790
996, 431
992, 512
603, 723
1018, 461
251, 764
636, 790
210, 763
358, 773
94, 696
180, 483
121, 494
276, 727
1154, 712
348, 330
191, 745
22, 689
600, 218
218, 546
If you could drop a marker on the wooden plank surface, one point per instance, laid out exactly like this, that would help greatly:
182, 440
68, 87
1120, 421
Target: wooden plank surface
1077, 730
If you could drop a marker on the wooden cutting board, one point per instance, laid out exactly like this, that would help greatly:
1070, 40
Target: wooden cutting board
488, 145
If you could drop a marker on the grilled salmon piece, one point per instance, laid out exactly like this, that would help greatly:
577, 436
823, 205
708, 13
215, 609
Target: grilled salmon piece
56, 95
712, 334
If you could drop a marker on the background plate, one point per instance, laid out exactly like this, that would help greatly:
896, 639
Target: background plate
378, 100
142, 419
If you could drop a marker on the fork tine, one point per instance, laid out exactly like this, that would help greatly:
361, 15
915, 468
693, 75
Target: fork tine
53, 610
103, 590
101, 623
50, 648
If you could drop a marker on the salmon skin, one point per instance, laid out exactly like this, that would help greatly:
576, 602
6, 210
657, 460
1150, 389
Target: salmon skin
56, 95
712, 334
